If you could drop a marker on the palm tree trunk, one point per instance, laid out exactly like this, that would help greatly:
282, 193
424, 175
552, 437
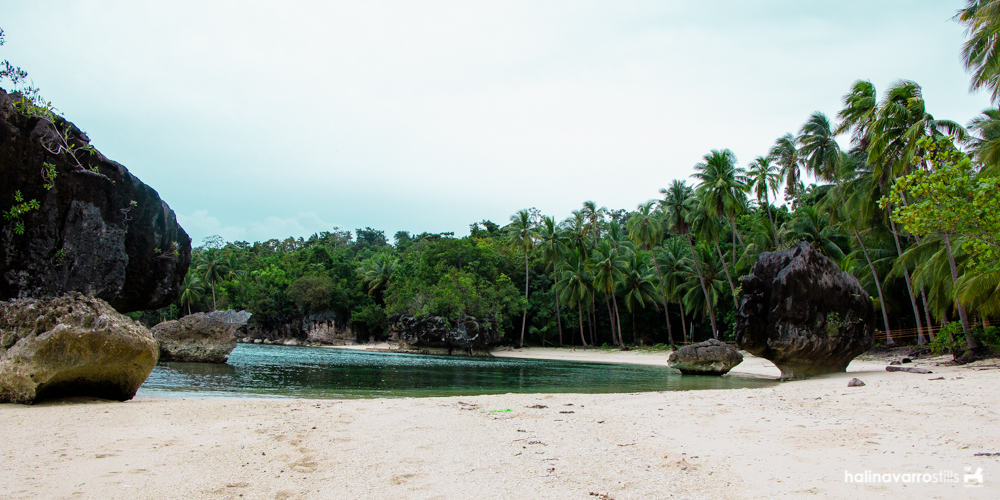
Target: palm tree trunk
732, 222
663, 290
704, 289
212, 284
774, 228
729, 277
559, 319
579, 313
927, 314
618, 319
878, 286
524, 315
970, 341
684, 328
909, 286
611, 320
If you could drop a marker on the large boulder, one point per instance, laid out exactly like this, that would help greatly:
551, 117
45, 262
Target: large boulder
97, 229
73, 345
710, 357
438, 332
200, 337
799, 310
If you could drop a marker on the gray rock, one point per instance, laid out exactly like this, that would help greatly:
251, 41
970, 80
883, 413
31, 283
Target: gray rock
799, 310
73, 345
437, 332
710, 357
855, 382
98, 229
200, 337
907, 369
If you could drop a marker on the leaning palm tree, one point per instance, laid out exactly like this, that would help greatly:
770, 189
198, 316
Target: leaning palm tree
679, 203
712, 284
818, 147
858, 113
851, 204
645, 227
722, 188
522, 235
763, 178
981, 52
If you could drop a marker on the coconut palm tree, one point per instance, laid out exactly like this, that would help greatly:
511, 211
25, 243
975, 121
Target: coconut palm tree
818, 147
763, 178
679, 203
722, 190
638, 284
574, 284
609, 268
712, 286
675, 260
551, 244
985, 144
213, 269
375, 273
786, 154
645, 227
812, 225
522, 235
192, 290
860, 104
981, 52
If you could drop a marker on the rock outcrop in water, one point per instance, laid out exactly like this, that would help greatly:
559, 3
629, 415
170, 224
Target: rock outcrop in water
73, 345
438, 332
200, 337
799, 310
710, 357
97, 228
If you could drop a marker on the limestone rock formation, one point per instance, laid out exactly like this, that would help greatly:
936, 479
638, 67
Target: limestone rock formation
710, 357
200, 337
799, 310
97, 229
435, 331
73, 345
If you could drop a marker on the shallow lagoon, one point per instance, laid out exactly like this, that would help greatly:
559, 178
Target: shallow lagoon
308, 372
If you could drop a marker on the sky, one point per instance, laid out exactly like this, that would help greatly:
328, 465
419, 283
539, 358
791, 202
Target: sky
260, 120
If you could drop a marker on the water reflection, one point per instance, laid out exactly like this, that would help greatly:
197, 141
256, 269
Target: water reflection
280, 371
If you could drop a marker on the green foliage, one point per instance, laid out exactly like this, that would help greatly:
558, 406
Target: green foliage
950, 197
18, 209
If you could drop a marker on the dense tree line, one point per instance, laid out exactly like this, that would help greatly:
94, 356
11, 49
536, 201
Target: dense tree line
910, 208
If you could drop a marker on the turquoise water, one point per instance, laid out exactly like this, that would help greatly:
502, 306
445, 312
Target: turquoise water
308, 372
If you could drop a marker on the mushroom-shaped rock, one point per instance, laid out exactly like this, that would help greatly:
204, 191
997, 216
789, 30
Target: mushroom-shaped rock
799, 310
710, 357
73, 345
200, 337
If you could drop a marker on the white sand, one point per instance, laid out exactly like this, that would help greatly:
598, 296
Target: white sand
795, 439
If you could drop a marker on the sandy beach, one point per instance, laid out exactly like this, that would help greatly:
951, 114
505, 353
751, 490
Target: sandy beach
814, 437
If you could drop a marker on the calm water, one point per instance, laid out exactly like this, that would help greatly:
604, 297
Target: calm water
308, 372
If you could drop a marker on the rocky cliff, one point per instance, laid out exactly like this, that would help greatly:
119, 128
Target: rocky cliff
96, 228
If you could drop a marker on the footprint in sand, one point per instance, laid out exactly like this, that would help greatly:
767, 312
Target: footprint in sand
401, 478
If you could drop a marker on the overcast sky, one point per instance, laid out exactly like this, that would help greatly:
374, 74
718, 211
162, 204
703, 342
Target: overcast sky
258, 120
